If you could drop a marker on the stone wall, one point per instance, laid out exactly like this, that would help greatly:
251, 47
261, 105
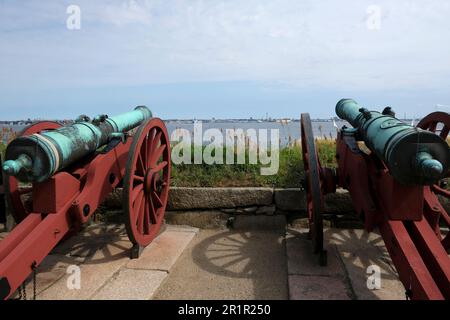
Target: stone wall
252, 201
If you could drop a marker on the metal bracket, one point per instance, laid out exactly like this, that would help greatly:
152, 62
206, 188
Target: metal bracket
366, 113
388, 111
119, 135
323, 258
82, 118
111, 145
136, 251
99, 119
349, 135
5, 288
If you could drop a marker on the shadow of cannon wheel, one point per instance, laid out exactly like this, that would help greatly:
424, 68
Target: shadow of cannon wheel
227, 254
97, 245
244, 264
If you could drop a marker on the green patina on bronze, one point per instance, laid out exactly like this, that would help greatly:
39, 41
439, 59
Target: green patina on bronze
36, 158
413, 156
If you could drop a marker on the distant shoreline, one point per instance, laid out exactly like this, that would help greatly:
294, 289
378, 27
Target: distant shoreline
192, 121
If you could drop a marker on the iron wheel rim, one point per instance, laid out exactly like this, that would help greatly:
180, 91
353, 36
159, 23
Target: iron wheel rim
314, 197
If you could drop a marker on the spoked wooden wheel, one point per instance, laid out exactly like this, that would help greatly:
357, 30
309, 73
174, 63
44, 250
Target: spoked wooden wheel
439, 123
2, 195
15, 195
146, 182
314, 196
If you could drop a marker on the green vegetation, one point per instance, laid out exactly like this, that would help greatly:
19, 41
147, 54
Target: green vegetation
2, 149
326, 150
240, 175
289, 175
6, 134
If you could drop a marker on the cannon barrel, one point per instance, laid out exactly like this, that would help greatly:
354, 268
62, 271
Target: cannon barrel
37, 157
413, 156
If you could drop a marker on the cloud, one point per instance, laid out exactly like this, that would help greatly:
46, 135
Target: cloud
128, 12
308, 43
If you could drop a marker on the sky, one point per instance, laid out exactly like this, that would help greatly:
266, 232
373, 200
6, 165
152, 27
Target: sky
224, 59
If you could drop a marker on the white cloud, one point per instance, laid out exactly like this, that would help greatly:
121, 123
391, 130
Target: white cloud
304, 43
128, 12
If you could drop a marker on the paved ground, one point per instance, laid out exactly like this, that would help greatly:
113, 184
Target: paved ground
244, 263
255, 259
254, 262
350, 254
102, 254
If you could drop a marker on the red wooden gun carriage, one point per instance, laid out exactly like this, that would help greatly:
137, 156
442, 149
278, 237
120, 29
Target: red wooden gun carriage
68, 171
394, 173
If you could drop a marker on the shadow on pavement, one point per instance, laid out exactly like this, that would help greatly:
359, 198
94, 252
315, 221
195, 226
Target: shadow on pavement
257, 256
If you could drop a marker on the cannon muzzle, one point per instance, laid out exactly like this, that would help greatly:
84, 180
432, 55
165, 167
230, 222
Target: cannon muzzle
37, 157
413, 156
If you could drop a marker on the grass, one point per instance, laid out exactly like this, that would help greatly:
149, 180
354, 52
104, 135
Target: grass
203, 175
326, 149
289, 175
6, 134
2, 150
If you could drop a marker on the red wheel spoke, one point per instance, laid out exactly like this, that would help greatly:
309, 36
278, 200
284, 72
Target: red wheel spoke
146, 229
152, 134
145, 156
137, 208
141, 215
155, 141
153, 216
153, 147
136, 192
141, 164
148, 147
157, 199
157, 154
160, 166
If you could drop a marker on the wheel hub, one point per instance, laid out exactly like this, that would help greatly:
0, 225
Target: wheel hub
151, 180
